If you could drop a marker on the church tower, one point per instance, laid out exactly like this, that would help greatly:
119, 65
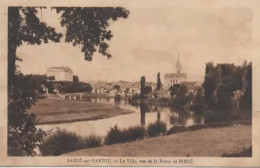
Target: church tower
174, 78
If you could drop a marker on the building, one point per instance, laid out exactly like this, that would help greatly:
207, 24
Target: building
174, 78
60, 74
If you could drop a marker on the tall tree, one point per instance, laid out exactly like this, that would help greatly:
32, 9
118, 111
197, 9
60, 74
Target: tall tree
86, 27
142, 87
159, 83
23, 27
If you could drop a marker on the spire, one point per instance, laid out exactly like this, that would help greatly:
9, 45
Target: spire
178, 64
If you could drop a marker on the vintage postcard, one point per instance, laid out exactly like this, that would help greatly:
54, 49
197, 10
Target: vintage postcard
130, 83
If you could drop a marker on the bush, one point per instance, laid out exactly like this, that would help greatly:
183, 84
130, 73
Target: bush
133, 133
116, 135
176, 129
156, 129
60, 142
92, 141
113, 136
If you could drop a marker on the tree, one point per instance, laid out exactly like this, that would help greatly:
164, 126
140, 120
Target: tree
142, 87
117, 87
198, 102
75, 78
178, 91
86, 27
221, 84
174, 89
23, 27
148, 89
159, 83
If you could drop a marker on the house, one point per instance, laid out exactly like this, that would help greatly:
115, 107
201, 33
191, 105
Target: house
174, 78
60, 74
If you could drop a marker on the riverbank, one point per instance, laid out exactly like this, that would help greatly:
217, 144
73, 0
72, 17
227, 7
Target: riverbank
166, 102
206, 142
53, 111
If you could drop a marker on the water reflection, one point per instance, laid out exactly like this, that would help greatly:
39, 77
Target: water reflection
186, 118
143, 115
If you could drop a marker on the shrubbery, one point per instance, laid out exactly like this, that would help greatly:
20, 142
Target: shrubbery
62, 142
116, 135
133, 133
176, 129
92, 141
156, 129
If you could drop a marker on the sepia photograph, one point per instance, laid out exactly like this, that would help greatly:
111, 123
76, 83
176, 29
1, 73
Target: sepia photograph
105, 85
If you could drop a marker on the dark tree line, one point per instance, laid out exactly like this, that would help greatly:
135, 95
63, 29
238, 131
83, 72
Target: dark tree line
85, 27
226, 89
73, 87
222, 82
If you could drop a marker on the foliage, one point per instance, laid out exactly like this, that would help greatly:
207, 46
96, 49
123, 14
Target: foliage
176, 129
221, 82
179, 93
113, 136
73, 87
85, 26
117, 97
88, 27
23, 136
23, 27
133, 133
75, 78
92, 141
246, 101
148, 89
116, 135
142, 87
174, 89
156, 128
117, 87
38, 80
51, 78
159, 83
198, 102
60, 142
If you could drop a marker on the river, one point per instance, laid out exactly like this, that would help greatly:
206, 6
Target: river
143, 115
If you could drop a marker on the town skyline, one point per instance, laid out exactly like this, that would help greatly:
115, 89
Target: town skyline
152, 45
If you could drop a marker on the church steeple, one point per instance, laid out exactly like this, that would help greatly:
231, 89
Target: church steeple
178, 65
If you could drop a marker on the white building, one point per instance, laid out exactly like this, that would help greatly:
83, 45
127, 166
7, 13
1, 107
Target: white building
174, 78
60, 74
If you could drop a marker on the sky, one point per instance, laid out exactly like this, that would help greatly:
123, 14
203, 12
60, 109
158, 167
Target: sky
149, 41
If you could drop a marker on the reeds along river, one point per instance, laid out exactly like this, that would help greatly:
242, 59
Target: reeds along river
143, 115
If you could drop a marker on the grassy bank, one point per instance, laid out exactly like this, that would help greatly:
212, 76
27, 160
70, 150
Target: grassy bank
60, 111
205, 142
